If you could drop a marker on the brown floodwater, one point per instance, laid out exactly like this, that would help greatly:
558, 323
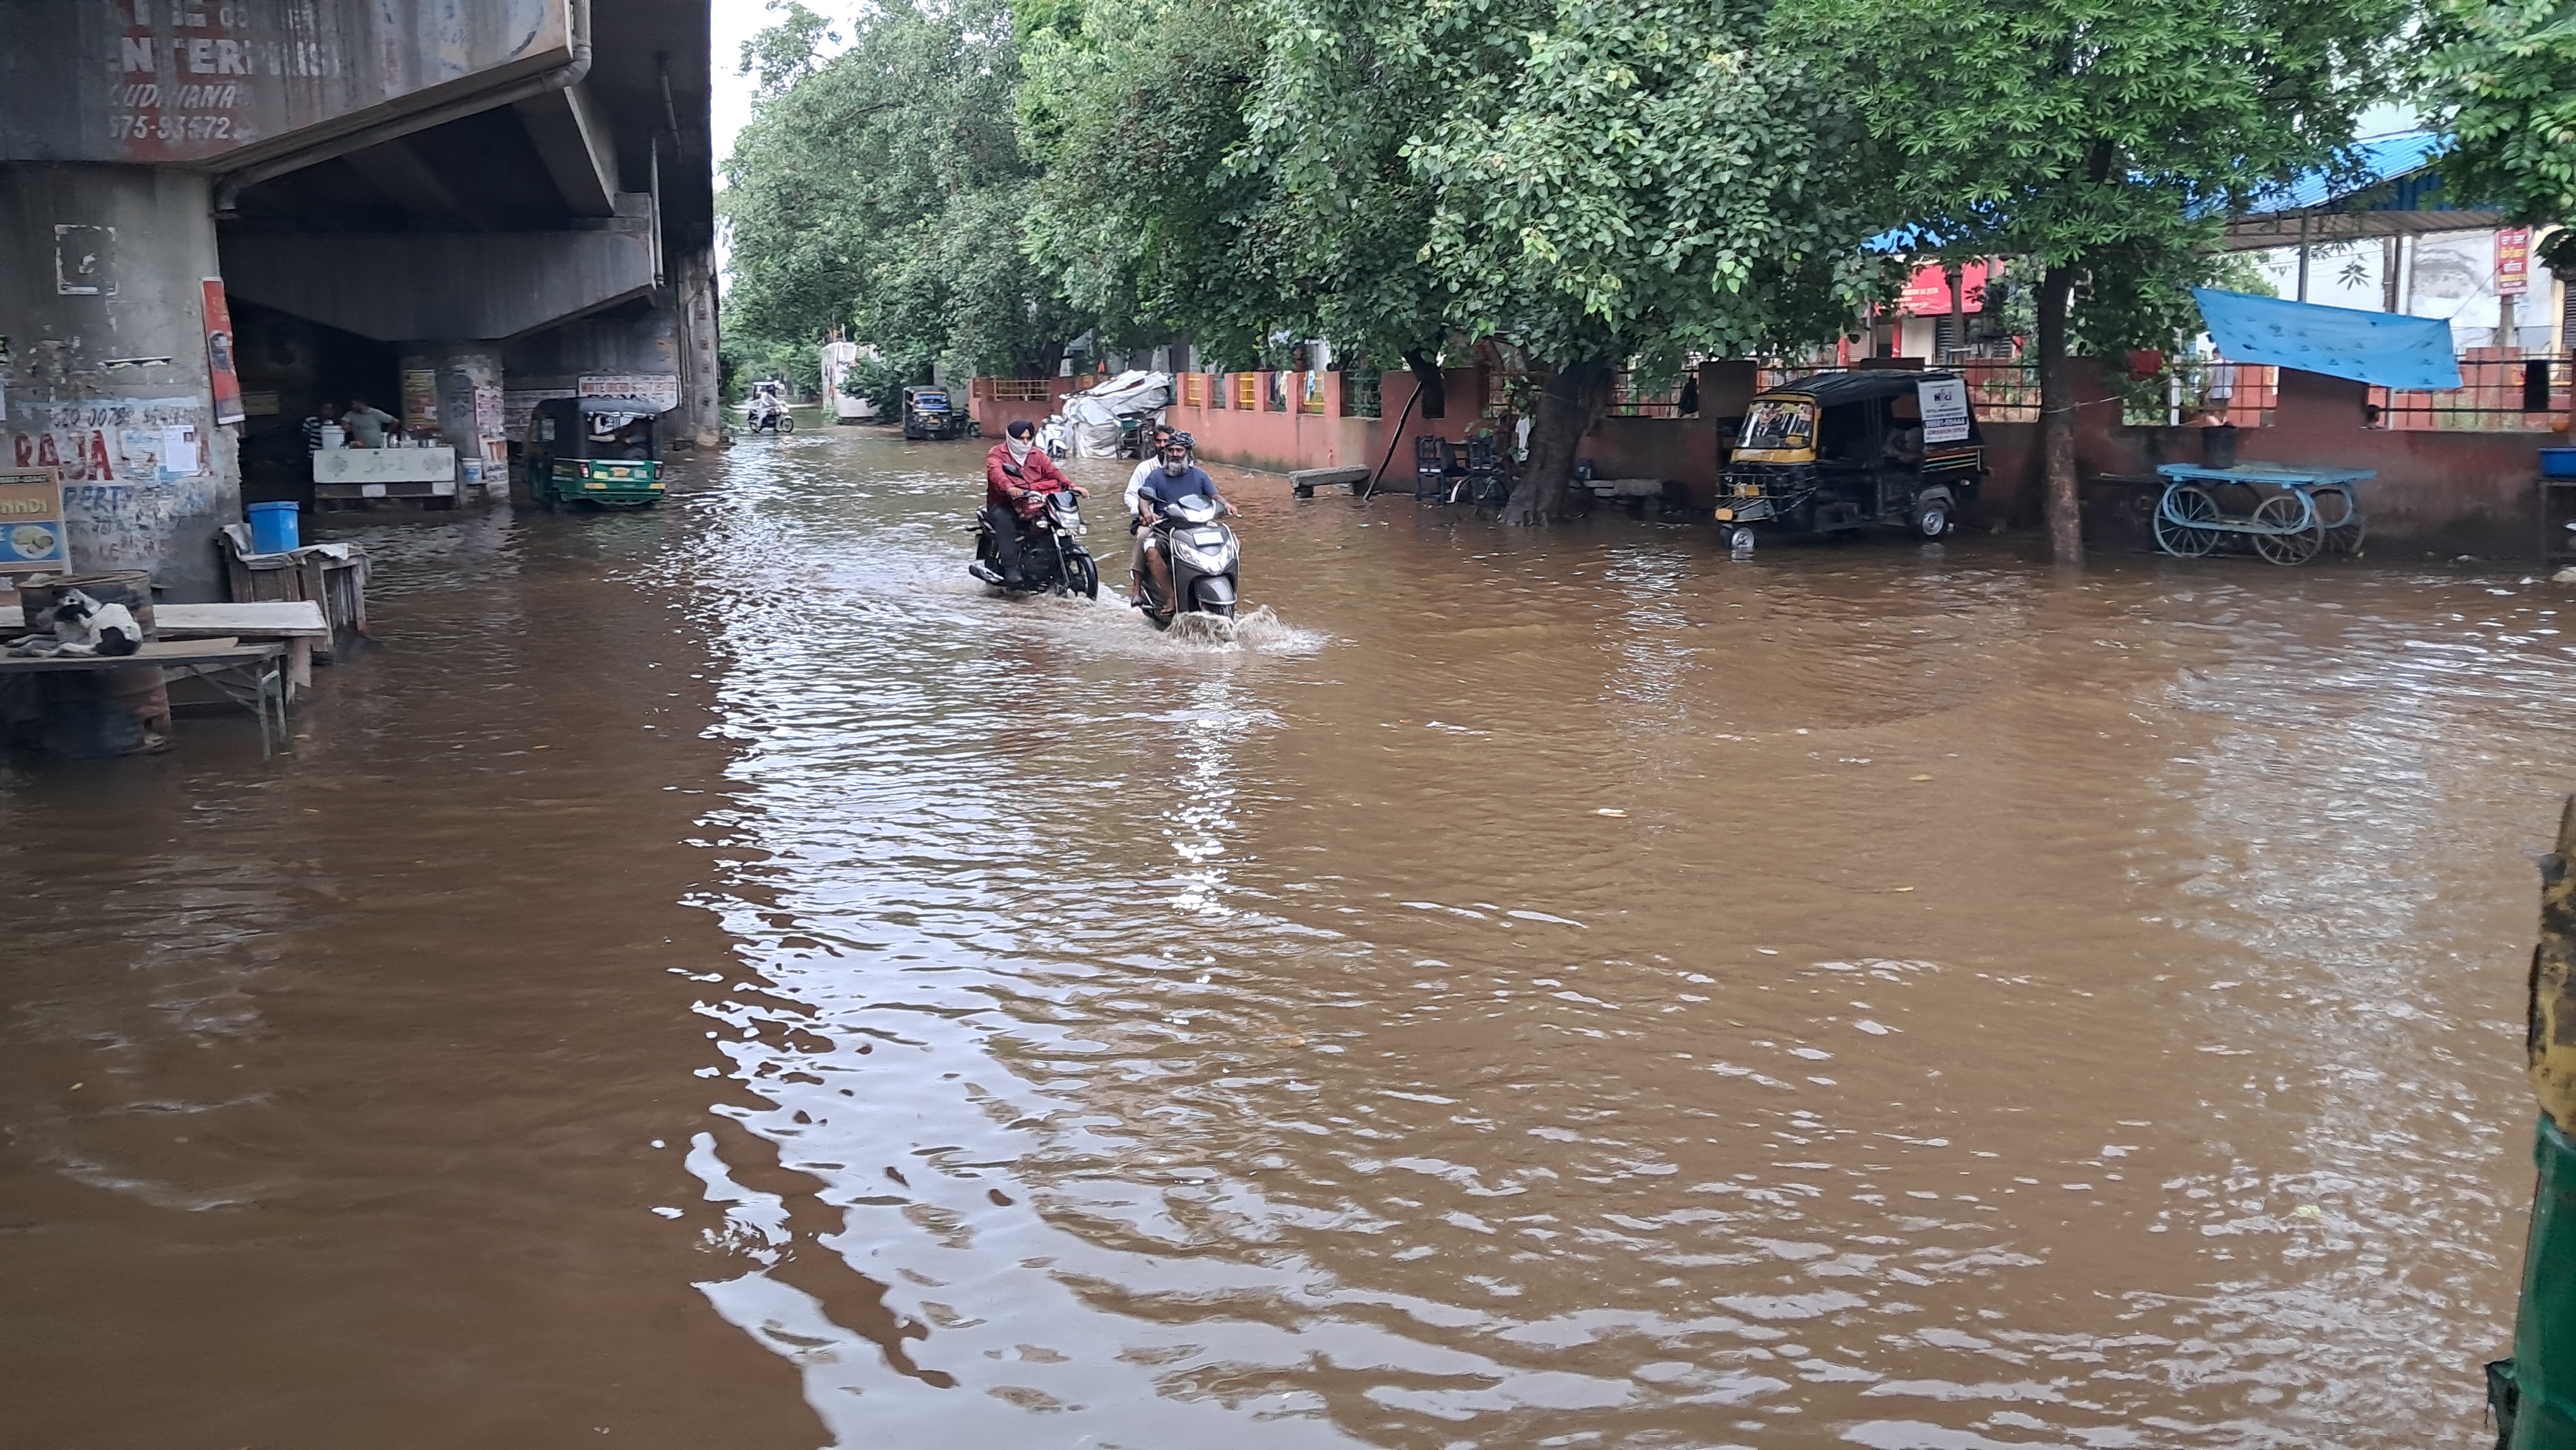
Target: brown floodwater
718, 978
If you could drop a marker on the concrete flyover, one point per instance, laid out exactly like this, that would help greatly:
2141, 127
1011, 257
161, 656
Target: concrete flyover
447, 208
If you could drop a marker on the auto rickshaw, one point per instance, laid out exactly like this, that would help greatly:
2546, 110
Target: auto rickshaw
1841, 451
926, 414
596, 451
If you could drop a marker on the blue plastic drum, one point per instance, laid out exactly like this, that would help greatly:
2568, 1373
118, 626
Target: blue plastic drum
274, 528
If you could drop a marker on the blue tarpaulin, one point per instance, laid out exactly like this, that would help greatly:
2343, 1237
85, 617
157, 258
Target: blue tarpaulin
2412, 353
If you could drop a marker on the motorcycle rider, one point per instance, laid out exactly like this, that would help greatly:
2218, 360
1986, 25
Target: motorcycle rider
1017, 478
1174, 478
1152, 463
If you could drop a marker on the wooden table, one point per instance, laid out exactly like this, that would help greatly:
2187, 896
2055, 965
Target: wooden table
216, 660
295, 623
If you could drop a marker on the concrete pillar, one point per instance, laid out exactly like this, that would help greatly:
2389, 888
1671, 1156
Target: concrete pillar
105, 373
452, 394
700, 413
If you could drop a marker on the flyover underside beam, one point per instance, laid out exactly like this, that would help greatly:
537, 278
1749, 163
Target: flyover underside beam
404, 286
572, 138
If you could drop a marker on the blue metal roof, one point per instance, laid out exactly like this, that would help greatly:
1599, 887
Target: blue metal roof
2402, 158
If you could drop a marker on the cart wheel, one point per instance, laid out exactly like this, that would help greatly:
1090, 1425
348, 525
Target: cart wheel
1740, 540
2180, 521
2298, 538
2340, 518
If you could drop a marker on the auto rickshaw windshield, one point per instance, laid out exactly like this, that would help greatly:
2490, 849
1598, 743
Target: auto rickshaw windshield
1779, 424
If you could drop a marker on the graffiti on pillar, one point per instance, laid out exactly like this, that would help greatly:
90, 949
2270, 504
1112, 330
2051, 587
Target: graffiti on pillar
199, 80
129, 467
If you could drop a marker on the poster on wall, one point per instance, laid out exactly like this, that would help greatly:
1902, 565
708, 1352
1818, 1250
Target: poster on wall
1945, 409
420, 402
33, 539
221, 375
2512, 261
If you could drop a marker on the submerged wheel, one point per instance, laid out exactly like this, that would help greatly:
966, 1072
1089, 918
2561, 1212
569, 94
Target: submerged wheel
1933, 519
2340, 519
786, 424
1740, 539
1086, 578
2299, 539
2181, 523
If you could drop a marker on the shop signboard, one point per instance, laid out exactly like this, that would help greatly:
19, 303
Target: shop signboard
237, 82
420, 402
2512, 261
1945, 409
33, 539
221, 376
661, 391
1927, 292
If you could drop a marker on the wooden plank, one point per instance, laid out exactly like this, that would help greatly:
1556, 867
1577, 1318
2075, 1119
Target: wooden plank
272, 618
159, 652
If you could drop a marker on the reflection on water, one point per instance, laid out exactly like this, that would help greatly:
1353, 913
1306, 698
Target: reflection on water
1570, 988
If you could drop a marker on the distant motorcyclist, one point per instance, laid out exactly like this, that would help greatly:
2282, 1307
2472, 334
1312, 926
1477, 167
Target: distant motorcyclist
1173, 478
1017, 478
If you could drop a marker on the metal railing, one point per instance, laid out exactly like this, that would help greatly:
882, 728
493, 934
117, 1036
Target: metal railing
1363, 395
1633, 397
2496, 396
1246, 391
1019, 390
1194, 390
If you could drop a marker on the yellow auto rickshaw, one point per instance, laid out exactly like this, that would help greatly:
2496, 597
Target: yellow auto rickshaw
1849, 450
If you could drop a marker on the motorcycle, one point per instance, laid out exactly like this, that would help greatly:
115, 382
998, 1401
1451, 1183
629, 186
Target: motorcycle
1203, 556
767, 413
1055, 437
1052, 558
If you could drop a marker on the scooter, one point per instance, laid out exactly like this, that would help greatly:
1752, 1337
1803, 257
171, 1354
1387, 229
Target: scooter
766, 414
1055, 437
1052, 558
1203, 555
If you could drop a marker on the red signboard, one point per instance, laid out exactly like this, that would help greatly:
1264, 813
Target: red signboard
2513, 261
1928, 294
221, 374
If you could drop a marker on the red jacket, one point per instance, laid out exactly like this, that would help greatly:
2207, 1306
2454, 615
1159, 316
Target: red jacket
1037, 472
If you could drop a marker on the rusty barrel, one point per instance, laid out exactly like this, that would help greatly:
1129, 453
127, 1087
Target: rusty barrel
114, 712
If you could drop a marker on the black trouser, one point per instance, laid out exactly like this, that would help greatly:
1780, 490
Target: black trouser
1006, 540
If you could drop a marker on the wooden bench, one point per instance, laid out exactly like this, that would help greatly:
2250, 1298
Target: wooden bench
293, 623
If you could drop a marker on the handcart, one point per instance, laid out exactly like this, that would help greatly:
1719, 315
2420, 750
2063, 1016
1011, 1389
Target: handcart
2287, 515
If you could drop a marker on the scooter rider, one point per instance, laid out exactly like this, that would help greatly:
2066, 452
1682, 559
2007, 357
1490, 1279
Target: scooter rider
1017, 477
1174, 478
1152, 464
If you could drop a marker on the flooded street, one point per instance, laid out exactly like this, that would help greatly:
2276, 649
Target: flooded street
719, 978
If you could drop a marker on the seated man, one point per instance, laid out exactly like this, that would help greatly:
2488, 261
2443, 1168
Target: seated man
1017, 478
1174, 478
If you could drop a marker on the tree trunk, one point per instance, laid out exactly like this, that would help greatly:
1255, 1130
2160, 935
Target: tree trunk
2057, 419
1567, 408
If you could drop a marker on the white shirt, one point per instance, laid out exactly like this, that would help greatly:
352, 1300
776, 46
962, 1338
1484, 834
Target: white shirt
1136, 481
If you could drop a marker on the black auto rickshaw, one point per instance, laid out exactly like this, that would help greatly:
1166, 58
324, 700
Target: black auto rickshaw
596, 451
1841, 451
927, 414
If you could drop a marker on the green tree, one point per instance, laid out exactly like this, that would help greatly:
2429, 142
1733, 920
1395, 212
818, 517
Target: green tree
2503, 77
1599, 181
2106, 140
882, 190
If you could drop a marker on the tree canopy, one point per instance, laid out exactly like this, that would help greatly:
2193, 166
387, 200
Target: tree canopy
2105, 140
2503, 75
883, 190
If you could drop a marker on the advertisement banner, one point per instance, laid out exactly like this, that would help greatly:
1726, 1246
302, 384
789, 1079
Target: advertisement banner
32, 536
660, 391
420, 402
1927, 293
1945, 409
221, 375
2512, 261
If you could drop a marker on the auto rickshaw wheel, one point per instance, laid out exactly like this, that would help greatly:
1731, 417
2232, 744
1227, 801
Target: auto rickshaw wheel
1740, 540
1932, 520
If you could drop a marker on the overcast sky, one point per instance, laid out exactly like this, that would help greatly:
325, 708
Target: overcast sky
737, 21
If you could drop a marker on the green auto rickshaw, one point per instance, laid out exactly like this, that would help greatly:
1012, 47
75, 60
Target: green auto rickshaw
596, 451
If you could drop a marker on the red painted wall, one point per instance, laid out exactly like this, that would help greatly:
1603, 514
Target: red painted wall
998, 414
